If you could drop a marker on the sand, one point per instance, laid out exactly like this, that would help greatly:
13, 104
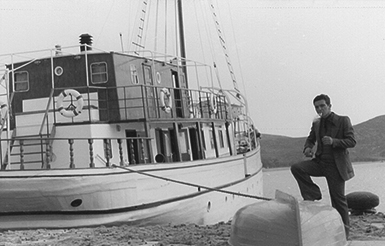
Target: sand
191, 234
363, 228
367, 227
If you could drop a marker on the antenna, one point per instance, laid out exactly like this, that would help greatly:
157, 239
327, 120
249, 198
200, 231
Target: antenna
121, 41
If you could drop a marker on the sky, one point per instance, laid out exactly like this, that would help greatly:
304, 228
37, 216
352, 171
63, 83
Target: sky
284, 52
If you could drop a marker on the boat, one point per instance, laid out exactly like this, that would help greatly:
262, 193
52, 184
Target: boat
285, 221
92, 137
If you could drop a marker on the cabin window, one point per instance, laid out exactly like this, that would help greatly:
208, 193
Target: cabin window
21, 81
183, 141
99, 73
221, 142
212, 139
203, 139
134, 74
147, 75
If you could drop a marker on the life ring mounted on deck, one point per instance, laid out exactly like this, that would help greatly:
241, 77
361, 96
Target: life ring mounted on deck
166, 107
73, 109
191, 109
213, 104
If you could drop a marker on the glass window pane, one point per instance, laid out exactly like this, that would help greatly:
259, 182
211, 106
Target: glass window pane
99, 72
21, 81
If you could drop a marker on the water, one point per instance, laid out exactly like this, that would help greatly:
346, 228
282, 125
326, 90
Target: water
369, 177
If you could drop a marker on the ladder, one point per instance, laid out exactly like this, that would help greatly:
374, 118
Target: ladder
223, 44
139, 36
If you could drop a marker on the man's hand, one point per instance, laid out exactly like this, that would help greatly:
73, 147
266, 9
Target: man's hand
308, 152
327, 140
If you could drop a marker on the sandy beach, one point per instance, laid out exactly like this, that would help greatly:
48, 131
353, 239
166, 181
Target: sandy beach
363, 228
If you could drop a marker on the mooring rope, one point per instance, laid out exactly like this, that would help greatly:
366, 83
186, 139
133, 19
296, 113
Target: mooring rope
194, 185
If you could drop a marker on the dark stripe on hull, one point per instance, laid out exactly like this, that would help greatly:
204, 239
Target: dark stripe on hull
132, 208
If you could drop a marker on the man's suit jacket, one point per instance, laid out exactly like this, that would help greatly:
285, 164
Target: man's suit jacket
343, 138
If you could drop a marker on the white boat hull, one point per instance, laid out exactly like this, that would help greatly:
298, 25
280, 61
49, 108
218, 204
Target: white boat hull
105, 196
287, 222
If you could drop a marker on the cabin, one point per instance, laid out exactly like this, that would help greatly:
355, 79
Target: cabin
91, 108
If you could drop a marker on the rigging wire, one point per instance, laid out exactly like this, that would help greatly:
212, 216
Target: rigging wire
199, 32
139, 36
201, 44
191, 184
223, 44
132, 35
237, 50
203, 54
156, 26
210, 42
147, 23
214, 63
165, 27
106, 19
176, 30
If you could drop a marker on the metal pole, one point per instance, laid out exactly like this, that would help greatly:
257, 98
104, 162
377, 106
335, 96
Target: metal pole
182, 40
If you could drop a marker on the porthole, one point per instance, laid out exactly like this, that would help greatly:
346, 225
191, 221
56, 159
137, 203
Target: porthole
58, 71
76, 203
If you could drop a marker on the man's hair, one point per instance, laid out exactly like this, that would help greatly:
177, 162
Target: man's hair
322, 97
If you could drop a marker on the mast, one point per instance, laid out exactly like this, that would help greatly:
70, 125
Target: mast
182, 40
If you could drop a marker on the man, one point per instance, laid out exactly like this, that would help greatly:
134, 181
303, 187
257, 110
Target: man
333, 134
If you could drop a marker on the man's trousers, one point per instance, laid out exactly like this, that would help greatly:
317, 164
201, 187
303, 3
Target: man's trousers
303, 171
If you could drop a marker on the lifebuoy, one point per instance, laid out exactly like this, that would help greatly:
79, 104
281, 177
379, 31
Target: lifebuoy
191, 109
213, 104
72, 110
166, 107
3, 111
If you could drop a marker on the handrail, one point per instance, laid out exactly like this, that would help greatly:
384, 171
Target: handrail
81, 138
45, 118
44, 162
3, 120
197, 100
46, 112
3, 123
6, 159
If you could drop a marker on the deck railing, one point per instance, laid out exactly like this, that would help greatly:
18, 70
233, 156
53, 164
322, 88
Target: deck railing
135, 102
71, 153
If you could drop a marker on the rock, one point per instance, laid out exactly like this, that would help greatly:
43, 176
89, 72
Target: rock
362, 201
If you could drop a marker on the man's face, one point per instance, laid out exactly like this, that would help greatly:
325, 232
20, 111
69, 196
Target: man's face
322, 108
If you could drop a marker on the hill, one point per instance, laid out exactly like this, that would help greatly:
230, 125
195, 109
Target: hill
281, 151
